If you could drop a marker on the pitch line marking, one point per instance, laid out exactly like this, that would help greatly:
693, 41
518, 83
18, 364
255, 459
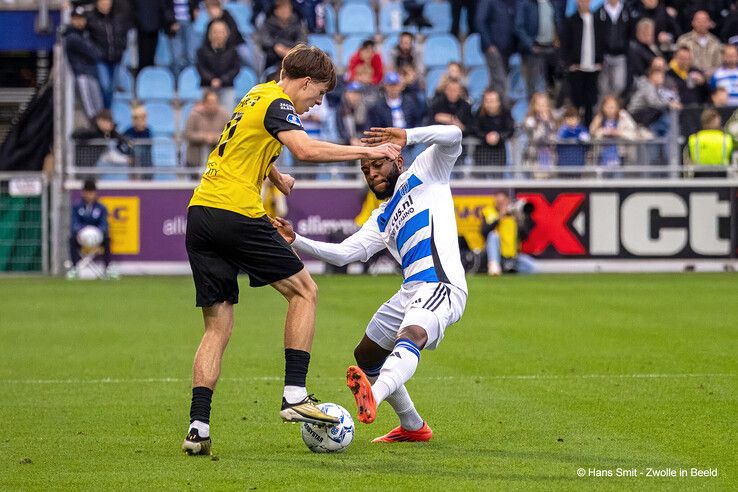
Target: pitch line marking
426, 378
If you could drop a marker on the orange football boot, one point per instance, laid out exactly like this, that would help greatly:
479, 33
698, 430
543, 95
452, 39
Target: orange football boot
398, 434
360, 386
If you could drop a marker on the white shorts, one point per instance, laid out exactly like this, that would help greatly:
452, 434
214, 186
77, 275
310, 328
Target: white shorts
432, 306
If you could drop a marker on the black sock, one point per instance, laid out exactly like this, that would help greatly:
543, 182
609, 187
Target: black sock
200, 407
296, 364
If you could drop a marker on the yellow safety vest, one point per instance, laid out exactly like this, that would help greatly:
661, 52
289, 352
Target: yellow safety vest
710, 148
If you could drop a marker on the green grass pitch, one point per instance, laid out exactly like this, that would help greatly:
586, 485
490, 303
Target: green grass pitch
543, 375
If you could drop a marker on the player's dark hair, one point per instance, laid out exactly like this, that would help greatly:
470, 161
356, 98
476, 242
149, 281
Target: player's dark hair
309, 61
89, 185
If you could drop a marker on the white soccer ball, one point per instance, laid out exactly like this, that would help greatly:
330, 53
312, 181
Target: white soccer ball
334, 439
90, 237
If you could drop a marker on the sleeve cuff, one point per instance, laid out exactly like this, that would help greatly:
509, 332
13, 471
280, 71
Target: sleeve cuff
411, 136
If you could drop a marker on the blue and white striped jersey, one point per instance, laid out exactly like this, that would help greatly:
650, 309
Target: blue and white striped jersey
728, 79
418, 223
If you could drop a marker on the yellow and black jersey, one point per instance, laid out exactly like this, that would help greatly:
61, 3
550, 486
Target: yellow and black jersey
247, 148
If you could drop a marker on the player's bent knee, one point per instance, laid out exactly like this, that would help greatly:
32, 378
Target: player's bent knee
416, 334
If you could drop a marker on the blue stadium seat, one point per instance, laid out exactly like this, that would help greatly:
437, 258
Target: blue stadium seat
155, 83
164, 154
241, 13
184, 113
161, 118
349, 47
387, 45
324, 42
440, 49
243, 83
163, 55
356, 18
391, 17
201, 23
188, 84
439, 14
330, 19
121, 114
473, 56
123, 83
432, 78
478, 82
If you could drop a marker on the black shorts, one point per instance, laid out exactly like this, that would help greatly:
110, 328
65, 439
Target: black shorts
221, 244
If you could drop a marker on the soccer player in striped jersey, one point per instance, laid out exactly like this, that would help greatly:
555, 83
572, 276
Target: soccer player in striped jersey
417, 224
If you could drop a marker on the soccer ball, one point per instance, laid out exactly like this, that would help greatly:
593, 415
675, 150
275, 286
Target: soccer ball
333, 439
90, 237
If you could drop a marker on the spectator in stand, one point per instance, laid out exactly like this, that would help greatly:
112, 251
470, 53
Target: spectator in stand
108, 29
719, 98
454, 71
248, 52
651, 101
83, 55
152, 16
282, 31
704, 46
218, 63
88, 212
573, 143
690, 81
616, 21
203, 128
352, 115
494, 25
415, 16
726, 76
729, 30
411, 83
665, 26
140, 131
711, 146
403, 54
493, 127
642, 50
313, 12
182, 41
114, 150
582, 43
452, 109
537, 24
365, 65
540, 130
613, 123
456, 7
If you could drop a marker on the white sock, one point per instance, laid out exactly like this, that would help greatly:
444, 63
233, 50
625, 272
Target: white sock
293, 394
401, 403
203, 429
397, 369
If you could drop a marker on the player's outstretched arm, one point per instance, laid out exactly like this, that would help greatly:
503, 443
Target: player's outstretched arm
360, 246
310, 150
448, 137
284, 182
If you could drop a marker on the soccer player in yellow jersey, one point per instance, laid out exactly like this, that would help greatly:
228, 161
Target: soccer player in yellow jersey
228, 231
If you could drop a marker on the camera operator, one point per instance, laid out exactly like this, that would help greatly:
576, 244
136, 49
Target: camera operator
505, 226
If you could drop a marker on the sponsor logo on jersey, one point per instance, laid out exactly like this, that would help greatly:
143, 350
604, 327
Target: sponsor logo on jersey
294, 119
286, 107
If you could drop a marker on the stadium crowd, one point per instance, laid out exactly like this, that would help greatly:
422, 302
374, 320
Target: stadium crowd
573, 83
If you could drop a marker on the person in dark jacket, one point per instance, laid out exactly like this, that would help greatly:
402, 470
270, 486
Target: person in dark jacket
536, 25
493, 126
109, 31
248, 52
152, 16
495, 26
690, 82
88, 211
83, 55
218, 64
666, 27
642, 50
616, 20
582, 43
92, 151
282, 31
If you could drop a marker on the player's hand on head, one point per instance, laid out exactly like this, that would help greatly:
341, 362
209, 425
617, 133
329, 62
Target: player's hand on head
384, 151
379, 136
285, 229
